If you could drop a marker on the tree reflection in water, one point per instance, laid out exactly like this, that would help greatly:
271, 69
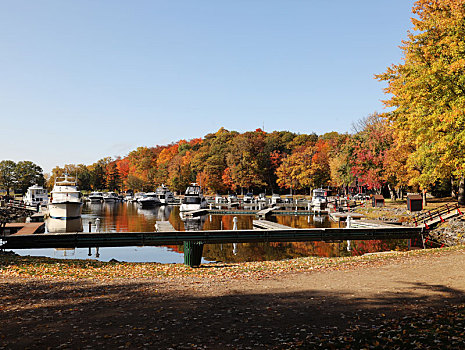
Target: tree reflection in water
128, 217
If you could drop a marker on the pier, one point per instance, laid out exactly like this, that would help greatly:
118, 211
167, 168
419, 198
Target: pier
269, 225
122, 239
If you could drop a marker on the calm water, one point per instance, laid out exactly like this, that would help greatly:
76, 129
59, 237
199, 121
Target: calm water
128, 217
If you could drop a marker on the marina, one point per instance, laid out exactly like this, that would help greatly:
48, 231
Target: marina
125, 231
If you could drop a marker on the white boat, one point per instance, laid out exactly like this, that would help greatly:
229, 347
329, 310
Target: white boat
138, 196
128, 198
96, 197
110, 197
193, 199
276, 199
232, 198
150, 199
319, 199
36, 195
220, 199
248, 198
65, 206
164, 194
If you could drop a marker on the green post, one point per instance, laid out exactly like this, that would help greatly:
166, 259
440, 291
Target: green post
193, 253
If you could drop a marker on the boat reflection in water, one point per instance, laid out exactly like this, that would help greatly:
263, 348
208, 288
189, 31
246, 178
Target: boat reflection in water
194, 224
62, 226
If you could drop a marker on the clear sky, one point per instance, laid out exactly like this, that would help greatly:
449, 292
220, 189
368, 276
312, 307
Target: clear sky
81, 80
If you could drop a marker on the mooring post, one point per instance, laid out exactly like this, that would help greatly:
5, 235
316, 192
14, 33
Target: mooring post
235, 223
349, 221
90, 226
193, 253
97, 225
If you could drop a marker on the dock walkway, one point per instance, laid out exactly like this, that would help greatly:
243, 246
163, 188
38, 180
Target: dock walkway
269, 225
164, 226
21, 228
263, 213
124, 239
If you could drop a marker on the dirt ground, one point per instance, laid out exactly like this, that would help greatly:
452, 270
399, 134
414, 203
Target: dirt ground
411, 302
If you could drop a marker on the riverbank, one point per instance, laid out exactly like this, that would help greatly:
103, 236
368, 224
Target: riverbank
406, 299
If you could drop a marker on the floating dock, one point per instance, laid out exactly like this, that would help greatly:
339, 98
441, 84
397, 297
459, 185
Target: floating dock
164, 226
269, 225
21, 228
122, 239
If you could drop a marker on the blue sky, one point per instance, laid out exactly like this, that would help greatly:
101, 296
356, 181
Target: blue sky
81, 80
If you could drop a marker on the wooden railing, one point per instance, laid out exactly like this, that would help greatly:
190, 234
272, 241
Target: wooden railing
439, 212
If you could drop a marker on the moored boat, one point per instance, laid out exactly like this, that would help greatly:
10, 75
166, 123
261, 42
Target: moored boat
150, 199
96, 197
193, 199
65, 206
110, 197
164, 194
36, 195
319, 199
276, 199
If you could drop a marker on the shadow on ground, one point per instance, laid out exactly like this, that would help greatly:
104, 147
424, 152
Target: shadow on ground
151, 315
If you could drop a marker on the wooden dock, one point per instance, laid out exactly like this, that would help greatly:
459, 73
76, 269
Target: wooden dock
269, 225
343, 216
21, 228
164, 226
194, 213
122, 239
263, 213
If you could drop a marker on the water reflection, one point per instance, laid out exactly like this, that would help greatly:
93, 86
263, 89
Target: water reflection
61, 226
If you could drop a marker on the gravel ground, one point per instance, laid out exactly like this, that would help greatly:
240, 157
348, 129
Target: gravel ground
398, 300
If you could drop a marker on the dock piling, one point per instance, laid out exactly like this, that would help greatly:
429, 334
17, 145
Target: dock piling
193, 253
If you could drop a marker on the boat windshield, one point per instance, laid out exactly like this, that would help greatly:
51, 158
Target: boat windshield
191, 200
193, 190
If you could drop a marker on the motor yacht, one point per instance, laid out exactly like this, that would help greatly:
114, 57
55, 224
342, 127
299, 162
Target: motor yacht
193, 198
36, 196
110, 197
149, 200
232, 198
276, 199
65, 206
319, 199
96, 197
164, 194
248, 198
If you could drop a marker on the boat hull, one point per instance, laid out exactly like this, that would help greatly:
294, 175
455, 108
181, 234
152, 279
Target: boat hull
191, 207
65, 210
64, 217
63, 226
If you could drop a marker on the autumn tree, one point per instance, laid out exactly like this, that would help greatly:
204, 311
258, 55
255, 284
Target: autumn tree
28, 174
7, 175
427, 92
246, 158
